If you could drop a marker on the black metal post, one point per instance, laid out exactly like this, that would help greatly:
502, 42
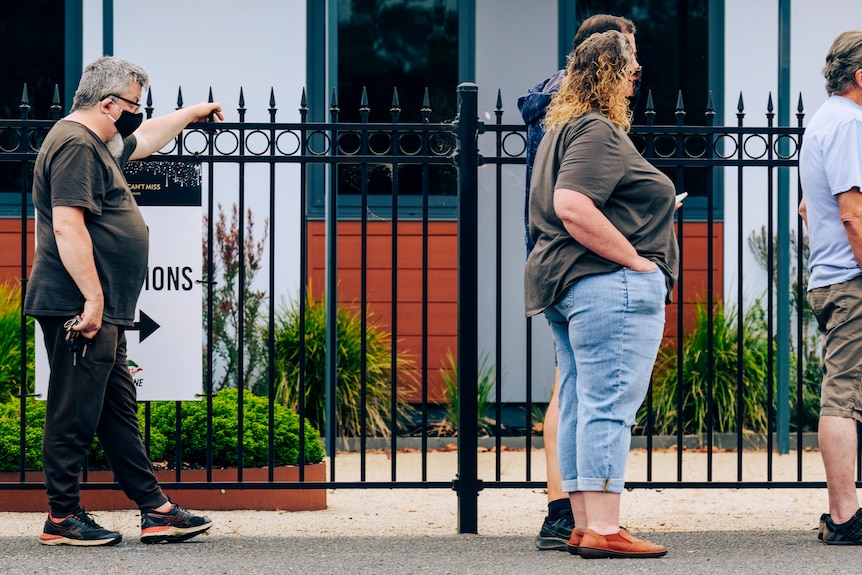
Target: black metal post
467, 483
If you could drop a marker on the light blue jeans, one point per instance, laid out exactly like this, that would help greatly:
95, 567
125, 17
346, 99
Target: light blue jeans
607, 329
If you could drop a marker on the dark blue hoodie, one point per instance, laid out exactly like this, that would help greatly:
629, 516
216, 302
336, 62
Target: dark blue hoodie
533, 106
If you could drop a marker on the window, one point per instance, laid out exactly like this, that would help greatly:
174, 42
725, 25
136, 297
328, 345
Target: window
411, 46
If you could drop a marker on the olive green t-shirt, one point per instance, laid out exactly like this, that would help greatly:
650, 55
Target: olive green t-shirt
593, 156
75, 168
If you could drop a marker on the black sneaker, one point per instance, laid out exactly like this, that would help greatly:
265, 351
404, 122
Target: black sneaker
849, 533
171, 526
822, 526
78, 528
555, 535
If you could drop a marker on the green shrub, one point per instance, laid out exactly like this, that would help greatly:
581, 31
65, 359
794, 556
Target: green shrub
486, 386
10, 438
695, 400
225, 417
378, 375
194, 433
10, 343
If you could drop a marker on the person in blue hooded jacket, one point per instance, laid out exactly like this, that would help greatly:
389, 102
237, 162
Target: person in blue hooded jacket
559, 523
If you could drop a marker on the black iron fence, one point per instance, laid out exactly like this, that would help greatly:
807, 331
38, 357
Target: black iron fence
738, 371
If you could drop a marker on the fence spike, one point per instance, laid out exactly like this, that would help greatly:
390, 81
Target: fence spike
210, 98
303, 101
710, 104
799, 107
56, 107
179, 97
426, 101
499, 100
271, 97
241, 99
739, 105
149, 107
363, 101
680, 107
25, 97
769, 106
396, 104
426, 106
650, 105
333, 106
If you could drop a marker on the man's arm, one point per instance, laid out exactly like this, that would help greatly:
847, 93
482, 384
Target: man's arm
76, 252
850, 210
155, 133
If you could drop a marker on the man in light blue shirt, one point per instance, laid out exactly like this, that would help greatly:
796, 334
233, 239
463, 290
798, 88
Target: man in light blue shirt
830, 169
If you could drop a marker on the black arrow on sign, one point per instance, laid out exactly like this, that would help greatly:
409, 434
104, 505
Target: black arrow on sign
145, 327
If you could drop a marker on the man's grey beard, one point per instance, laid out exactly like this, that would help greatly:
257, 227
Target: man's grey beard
115, 146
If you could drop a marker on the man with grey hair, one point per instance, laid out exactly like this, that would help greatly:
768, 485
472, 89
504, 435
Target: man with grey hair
88, 270
830, 169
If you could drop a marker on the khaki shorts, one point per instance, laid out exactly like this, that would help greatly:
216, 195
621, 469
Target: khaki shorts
838, 309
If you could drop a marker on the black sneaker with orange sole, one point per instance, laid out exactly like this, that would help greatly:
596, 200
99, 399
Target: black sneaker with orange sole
171, 526
78, 528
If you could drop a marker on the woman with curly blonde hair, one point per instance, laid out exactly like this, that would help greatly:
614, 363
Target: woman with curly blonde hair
605, 261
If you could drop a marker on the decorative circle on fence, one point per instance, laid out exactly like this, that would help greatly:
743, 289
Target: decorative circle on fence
792, 146
755, 146
519, 140
226, 143
10, 140
380, 143
695, 146
349, 143
282, 148
442, 144
195, 142
722, 141
317, 143
664, 146
257, 142
410, 143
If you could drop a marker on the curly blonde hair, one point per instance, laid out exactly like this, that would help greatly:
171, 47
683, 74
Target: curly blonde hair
597, 76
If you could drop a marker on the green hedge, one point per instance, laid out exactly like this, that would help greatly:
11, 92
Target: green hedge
194, 433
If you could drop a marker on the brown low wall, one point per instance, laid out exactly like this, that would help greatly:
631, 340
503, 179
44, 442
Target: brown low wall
95, 498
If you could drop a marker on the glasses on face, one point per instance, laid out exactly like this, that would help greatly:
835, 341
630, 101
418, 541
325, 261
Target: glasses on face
137, 105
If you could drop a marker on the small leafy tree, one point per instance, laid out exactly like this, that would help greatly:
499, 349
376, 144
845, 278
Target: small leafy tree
379, 379
226, 336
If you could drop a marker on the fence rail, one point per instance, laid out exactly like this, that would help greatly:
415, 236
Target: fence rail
471, 173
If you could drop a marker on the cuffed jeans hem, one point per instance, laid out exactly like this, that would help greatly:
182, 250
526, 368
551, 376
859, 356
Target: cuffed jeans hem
601, 485
569, 486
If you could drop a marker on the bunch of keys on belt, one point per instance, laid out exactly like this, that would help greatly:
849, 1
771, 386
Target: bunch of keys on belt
74, 340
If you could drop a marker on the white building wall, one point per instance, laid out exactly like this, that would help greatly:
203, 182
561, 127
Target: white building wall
751, 67
512, 56
198, 45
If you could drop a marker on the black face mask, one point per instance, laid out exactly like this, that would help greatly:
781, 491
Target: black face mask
128, 123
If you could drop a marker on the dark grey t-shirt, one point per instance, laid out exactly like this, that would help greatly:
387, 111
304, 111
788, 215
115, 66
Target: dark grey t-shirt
74, 168
593, 156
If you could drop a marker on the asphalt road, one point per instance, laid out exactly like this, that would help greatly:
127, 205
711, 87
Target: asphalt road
726, 552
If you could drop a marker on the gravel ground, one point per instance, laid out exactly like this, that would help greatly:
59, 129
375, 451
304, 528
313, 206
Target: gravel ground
516, 512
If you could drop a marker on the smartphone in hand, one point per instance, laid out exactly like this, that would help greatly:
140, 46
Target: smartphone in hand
681, 197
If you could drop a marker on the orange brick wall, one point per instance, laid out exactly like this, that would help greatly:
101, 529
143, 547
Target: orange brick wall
442, 285
10, 249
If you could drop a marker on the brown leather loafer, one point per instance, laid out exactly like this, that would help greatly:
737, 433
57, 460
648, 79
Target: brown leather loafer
575, 541
618, 545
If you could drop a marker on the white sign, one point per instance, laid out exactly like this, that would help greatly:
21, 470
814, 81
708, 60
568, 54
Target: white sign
164, 347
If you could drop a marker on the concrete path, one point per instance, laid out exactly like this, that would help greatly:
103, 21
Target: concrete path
401, 531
